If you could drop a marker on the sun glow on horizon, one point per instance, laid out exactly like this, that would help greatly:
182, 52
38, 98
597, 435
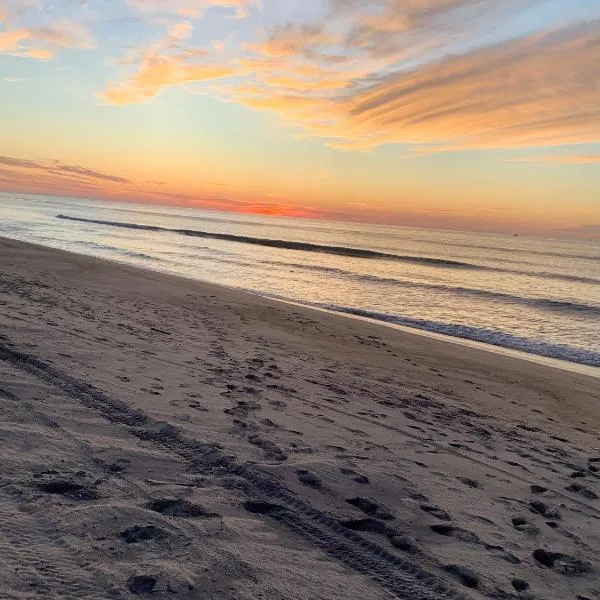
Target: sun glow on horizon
393, 112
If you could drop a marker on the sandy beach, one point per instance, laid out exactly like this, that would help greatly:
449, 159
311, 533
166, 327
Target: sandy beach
168, 438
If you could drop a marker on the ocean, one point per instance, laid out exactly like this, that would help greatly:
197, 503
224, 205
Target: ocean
536, 295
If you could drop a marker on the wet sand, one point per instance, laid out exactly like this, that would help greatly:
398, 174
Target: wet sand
168, 438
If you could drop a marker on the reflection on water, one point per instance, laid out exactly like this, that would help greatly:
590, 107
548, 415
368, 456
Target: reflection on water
533, 294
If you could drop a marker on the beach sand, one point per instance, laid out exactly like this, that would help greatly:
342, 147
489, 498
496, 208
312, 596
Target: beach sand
175, 439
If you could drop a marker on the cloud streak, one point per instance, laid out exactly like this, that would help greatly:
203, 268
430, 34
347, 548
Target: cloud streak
43, 43
164, 64
536, 91
539, 90
59, 169
405, 72
369, 76
157, 73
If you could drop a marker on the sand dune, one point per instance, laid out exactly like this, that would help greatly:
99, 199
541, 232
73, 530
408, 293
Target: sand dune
172, 439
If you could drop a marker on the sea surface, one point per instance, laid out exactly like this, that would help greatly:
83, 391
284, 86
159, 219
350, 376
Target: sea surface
537, 295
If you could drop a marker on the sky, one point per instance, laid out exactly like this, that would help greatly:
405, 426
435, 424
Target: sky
463, 114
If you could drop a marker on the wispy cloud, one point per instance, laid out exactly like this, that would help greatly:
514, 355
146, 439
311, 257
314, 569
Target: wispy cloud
165, 64
43, 43
538, 90
365, 74
56, 168
381, 74
156, 73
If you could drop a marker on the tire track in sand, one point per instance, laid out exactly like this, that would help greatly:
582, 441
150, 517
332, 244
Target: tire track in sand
401, 578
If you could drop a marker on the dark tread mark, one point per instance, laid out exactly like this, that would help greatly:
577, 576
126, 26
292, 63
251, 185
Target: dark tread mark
271, 450
34, 550
176, 507
404, 543
398, 576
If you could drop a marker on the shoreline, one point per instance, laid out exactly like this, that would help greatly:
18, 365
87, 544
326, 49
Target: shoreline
548, 361
225, 445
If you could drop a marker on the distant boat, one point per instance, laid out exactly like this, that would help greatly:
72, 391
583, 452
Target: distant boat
515, 235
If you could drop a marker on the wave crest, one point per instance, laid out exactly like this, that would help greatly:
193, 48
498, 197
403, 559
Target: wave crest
337, 250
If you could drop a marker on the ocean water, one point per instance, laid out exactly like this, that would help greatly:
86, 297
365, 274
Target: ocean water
540, 296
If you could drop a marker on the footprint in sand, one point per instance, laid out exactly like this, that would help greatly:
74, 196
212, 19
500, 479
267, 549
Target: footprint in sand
372, 508
355, 476
463, 574
261, 507
577, 488
561, 563
520, 585
272, 450
68, 489
309, 478
449, 530
366, 525
469, 482
142, 533
539, 508
436, 511
521, 524
119, 465
405, 543
538, 489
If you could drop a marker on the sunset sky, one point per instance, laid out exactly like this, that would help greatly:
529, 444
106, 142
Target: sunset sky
470, 114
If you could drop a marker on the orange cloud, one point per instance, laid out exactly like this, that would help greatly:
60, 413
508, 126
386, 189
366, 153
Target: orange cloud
536, 91
159, 69
297, 40
42, 42
305, 85
55, 177
346, 79
288, 105
157, 73
391, 26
